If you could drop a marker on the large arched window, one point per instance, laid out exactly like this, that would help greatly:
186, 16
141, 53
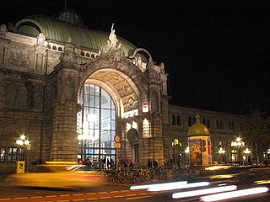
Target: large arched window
98, 126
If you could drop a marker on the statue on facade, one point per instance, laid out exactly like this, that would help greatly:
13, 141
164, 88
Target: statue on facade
112, 38
113, 47
41, 40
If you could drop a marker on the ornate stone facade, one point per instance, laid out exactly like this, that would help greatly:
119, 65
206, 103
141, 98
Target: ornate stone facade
41, 86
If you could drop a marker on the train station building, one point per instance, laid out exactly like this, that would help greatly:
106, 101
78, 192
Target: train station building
77, 93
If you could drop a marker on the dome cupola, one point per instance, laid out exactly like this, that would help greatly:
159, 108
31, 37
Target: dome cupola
198, 129
70, 16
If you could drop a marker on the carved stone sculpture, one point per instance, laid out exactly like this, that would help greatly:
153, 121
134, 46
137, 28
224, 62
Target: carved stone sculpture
113, 47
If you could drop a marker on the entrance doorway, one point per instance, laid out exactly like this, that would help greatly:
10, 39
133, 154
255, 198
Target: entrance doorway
97, 127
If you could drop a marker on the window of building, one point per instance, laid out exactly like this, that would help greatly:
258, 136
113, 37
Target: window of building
241, 126
98, 124
22, 97
173, 120
178, 120
12, 154
219, 124
11, 95
204, 121
2, 154
21, 154
208, 124
189, 121
233, 128
231, 125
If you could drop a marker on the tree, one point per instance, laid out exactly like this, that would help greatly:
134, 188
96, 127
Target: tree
256, 132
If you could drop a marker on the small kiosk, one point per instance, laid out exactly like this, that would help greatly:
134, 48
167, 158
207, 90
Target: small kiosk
200, 144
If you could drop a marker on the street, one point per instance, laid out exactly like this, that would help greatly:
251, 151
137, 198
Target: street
244, 179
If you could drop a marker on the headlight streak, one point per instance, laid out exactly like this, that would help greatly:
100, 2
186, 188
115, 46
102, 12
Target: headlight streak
262, 182
234, 194
183, 186
169, 184
203, 191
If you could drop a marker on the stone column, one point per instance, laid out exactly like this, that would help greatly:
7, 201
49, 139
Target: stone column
64, 140
157, 139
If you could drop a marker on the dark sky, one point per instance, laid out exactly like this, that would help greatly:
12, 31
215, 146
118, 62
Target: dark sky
216, 52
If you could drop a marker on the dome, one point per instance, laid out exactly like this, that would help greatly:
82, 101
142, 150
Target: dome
198, 129
60, 31
70, 16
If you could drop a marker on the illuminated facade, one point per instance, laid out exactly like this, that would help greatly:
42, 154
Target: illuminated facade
70, 90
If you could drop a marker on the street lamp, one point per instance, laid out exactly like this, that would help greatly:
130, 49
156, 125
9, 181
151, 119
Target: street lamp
176, 147
221, 151
239, 144
187, 155
247, 153
23, 141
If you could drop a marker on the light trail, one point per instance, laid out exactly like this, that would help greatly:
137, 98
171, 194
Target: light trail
181, 186
234, 194
203, 191
148, 186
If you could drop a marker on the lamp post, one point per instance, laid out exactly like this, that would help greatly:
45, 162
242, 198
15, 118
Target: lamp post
175, 145
23, 141
239, 144
247, 153
221, 151
187, 155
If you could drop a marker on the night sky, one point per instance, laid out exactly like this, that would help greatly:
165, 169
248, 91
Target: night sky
216, 52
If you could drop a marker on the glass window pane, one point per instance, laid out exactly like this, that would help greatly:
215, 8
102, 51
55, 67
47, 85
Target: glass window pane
105, 100
113, 114
2, 154
91, 89
91, 101
98, 123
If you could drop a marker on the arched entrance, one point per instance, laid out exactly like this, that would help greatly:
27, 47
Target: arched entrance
108, 98
97, 121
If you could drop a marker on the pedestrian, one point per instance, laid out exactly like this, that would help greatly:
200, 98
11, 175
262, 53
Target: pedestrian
108, 164
150, 163
88, 164
112, 164
155, 164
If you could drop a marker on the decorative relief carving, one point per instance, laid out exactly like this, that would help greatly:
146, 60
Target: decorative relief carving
125, 87
19, 59
114, 76
130, 102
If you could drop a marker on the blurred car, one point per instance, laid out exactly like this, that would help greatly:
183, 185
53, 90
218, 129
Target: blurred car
59, 176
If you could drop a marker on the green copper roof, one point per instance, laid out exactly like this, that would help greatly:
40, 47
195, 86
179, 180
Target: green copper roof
60, 31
